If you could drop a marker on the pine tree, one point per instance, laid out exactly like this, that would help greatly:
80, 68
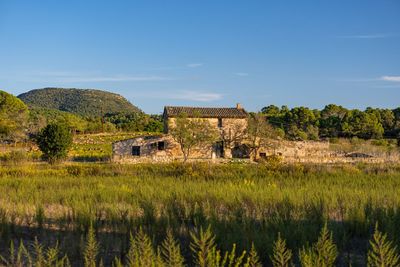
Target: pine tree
203, 247
39, 255
382, 252
282, 256
171, 251
91, 249
141, 251
325, 248
323, 253
307, 257
252, 259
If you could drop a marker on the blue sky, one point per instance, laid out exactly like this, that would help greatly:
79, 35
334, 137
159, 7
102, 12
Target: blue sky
207, 53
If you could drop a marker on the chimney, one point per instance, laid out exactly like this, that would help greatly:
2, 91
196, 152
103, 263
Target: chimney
238, 106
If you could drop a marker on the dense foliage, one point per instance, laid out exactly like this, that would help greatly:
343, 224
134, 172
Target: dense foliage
84, 102
302, 123
135, 122
13, 117
54, 141
40, 117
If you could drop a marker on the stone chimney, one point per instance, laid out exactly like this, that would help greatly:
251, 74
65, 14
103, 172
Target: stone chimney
239, 106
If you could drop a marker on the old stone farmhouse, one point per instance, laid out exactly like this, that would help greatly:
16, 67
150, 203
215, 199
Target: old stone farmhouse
231, 124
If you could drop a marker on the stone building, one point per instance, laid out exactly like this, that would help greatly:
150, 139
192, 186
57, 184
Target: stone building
231, 123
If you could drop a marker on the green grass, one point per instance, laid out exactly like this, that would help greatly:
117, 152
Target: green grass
243, 203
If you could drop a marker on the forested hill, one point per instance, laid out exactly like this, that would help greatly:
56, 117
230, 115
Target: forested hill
85, 102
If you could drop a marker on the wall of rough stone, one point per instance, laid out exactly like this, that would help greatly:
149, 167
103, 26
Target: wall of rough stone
320, 152
122, 150
227, 123
290, 151
231, 130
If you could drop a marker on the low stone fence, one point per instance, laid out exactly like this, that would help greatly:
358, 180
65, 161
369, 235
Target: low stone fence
321, 152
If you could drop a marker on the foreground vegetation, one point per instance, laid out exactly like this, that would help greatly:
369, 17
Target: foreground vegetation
243, 204
204, 252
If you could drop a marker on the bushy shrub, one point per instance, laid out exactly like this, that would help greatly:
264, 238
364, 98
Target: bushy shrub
54, 141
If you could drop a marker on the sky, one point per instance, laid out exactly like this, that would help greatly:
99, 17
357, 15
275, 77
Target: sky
207, 53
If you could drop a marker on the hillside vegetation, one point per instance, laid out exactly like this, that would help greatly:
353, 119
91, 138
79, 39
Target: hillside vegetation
13, 116
84, 102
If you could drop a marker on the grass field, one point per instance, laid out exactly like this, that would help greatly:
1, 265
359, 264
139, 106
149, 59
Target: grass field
243, 204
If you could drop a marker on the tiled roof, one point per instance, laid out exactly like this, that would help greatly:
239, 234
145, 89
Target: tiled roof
202, 112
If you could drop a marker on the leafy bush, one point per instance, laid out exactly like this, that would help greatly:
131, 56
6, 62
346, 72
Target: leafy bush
54, 141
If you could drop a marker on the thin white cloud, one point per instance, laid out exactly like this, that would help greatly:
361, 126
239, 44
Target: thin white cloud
242, 74
357, 80
196, 96
71, 77
194, 65
391, 78
55, 73
366, 36
117, 78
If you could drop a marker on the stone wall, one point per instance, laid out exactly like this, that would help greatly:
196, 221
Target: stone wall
290, 151
232, 129
228, 124
320, 152
150, 152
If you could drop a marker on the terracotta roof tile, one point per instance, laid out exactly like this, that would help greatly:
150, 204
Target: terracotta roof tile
203, 112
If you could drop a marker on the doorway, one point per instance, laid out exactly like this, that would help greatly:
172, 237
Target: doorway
219, 149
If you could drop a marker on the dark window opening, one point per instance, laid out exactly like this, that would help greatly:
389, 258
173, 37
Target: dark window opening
263, 155
136, 151
161, 145
220, 122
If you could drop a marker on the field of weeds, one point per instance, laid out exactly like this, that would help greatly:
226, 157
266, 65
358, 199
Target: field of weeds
243, 204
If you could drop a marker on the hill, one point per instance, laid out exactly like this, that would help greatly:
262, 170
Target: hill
84, 102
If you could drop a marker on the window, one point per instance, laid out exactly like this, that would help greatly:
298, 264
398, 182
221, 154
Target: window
263, 155
219, 122
136, 151
161, 145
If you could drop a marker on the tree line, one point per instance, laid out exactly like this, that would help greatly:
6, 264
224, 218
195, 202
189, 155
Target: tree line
303, 123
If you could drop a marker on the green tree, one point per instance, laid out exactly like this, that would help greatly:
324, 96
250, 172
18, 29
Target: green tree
13, 117
141, 251
252, 259
386, 118
54, 141
330, 123
171, 251
282, 256
203, 247
323, 253
91, 249
382, 252
362, 124
275, 115
301, 123
192, 133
